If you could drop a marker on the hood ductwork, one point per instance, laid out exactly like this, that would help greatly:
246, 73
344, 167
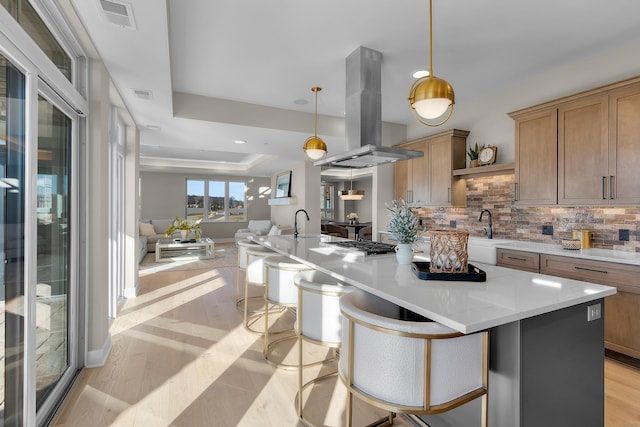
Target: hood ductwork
364, 116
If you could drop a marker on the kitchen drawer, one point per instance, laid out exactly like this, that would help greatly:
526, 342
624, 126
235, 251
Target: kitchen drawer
623, 277
519, 260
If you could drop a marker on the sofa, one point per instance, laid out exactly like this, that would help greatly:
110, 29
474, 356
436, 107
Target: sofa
153, 233
260, 227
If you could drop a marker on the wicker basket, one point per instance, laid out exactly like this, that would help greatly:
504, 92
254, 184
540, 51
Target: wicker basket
449, 251
571, 244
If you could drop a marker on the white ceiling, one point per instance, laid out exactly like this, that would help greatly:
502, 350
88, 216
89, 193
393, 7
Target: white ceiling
222, 70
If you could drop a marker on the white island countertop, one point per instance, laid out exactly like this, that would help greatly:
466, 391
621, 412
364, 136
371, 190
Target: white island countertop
507, 296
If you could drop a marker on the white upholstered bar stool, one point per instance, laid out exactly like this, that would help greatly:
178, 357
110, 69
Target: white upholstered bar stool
318, 321
255, 276
280, 291
415, 367
242, 246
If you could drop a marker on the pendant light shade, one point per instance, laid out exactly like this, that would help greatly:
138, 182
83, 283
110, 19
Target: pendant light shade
431, 98
314, 147
351, 194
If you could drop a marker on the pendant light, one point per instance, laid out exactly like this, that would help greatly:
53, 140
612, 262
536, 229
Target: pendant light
351, 194
430, 97
314, 147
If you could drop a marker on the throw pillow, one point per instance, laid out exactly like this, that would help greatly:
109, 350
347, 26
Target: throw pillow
146, 229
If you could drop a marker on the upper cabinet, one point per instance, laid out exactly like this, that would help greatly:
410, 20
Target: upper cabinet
429, 180
536, 158
410, 182
580, 150
624, 145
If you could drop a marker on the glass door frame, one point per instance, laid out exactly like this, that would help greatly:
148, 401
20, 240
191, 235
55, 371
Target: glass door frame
40, 80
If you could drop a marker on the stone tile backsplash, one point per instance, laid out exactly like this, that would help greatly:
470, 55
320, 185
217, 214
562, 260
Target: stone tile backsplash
525, 223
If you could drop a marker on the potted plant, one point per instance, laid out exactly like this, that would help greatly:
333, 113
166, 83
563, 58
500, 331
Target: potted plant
185, 227
473, 154
404, 228
353, 218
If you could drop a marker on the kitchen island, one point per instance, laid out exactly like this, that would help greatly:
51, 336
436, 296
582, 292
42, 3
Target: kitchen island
546, 357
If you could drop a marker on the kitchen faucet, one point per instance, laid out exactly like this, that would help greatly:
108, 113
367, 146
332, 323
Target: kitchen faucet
490, 229
295, 221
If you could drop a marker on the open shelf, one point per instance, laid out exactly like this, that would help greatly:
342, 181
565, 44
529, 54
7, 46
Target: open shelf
283, 201
491, 170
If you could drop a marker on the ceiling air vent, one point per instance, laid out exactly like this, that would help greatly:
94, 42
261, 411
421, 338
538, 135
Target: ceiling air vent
118, 13
142, 93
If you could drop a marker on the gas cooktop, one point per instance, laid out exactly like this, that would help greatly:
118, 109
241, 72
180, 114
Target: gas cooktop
365, 246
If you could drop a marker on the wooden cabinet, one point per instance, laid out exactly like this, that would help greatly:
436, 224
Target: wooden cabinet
624, 146
429, 180
536, 157
410, 176
622, 311
519, 260
583, 151
446, 153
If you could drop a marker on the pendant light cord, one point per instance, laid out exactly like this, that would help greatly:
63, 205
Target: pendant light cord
430, 38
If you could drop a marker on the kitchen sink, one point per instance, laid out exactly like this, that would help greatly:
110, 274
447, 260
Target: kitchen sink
480, 249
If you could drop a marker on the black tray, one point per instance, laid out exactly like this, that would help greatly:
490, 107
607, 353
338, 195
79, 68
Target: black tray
421, 270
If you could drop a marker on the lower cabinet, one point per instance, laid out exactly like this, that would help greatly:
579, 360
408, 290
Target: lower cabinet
621, 311
519, 260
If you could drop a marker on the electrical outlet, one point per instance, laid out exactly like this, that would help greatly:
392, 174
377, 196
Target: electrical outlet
594, 312
547, 230
623, 235
454, 224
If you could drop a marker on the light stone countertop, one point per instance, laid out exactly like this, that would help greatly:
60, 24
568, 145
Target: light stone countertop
508, 295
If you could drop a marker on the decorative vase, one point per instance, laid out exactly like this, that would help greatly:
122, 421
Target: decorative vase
473, 163
404, 253
183, 234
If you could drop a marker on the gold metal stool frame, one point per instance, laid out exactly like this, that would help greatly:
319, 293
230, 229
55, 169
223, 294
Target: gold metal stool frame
249, 320
299, 400
239, 269
289, 308
426, 408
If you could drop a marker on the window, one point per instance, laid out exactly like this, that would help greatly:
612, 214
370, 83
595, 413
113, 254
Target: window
326, 201
216, 200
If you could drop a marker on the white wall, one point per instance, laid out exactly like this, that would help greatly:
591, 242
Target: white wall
163, 196
305, 186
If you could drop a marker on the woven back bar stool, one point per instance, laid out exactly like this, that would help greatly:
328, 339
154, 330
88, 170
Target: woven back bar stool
318, 321
414, 367
242, 246
280, 291
255, 276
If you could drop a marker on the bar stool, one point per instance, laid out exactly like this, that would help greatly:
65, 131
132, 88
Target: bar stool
242, 246
280, 291
318, 321
415, 367
255, 275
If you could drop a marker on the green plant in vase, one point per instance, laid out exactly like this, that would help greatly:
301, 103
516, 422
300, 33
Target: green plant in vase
185, 226
473, 154
404, 228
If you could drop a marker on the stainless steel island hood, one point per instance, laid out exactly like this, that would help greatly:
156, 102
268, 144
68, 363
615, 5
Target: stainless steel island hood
364, 116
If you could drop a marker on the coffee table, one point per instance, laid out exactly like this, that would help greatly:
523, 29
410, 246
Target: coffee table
169, 249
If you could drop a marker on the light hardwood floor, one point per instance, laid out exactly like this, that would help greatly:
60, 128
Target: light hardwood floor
181, 357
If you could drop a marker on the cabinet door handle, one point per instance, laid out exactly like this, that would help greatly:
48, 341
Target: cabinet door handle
515, 191
591, 269
516, 258
449, 195
409, 196
611, 187
604, 179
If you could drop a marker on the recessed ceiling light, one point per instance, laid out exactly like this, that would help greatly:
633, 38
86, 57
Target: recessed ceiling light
420, 74
240, 141
143, 93
301, 102
153, 127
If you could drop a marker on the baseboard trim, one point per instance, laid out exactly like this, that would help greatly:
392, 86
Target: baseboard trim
132, 292
97, 358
